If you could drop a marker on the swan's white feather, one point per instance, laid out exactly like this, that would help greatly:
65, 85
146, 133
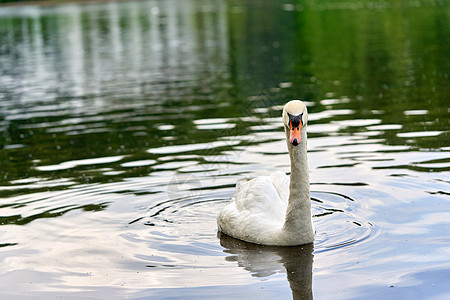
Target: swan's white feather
271, 210
258, 205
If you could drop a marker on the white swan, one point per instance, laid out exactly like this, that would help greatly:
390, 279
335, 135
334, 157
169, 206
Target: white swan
275, 210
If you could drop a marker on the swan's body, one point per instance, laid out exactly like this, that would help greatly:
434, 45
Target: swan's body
275, 210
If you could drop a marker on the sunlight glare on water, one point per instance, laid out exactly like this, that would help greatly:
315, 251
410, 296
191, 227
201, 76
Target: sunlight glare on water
124, 128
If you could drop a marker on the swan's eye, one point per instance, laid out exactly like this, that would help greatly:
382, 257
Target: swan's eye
295, 121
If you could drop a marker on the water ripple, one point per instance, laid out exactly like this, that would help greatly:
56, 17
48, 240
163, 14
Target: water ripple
200, 206
347, 228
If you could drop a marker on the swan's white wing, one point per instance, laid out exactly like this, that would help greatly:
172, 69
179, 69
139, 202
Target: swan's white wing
281, 183
256, 207
260, 196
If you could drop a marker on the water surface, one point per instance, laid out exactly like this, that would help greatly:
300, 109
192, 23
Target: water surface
125, 126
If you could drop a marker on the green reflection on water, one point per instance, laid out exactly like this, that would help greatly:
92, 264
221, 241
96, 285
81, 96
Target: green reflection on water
100, 81
51, 213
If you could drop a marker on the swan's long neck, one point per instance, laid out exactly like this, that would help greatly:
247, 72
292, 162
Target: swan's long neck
298, 214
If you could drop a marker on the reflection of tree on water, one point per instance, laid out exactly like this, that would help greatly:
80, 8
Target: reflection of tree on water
263, 261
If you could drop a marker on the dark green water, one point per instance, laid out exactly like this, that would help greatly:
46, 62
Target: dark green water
125, 126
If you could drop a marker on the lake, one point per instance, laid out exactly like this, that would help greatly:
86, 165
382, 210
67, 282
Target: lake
124, 127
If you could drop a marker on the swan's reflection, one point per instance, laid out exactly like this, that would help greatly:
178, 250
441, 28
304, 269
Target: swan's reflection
262, 261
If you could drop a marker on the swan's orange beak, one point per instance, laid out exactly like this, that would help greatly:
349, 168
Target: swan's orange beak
295, 133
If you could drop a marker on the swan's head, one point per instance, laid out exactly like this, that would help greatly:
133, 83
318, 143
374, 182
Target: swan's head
295, 117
